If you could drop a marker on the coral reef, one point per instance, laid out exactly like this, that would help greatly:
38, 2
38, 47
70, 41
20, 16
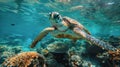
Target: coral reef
65, 53
7, 51
25, 59
111, 58
114, 55
77, 59
56, 52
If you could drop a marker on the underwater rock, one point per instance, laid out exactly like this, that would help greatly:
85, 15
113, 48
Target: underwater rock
55, 51
25, 59
53, 63
46, 42
50, 59
57, 47
94, 50
50, 45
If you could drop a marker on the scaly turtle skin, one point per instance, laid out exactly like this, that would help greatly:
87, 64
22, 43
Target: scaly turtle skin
65, 27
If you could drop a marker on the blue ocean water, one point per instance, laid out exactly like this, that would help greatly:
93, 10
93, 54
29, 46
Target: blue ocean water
22, 20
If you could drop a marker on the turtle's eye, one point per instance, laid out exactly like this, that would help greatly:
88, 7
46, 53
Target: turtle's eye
57, 16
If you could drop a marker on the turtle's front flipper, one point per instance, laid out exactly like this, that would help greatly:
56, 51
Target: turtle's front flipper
93, 40
41, 35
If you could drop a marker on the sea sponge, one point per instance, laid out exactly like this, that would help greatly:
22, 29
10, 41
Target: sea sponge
25, 59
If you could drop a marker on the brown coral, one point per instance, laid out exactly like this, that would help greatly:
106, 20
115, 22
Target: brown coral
25, 59
115, 55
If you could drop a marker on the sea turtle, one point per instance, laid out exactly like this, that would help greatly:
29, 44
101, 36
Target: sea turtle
60, 28
66, 27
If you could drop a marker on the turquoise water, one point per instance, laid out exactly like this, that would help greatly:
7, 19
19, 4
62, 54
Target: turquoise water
22, 20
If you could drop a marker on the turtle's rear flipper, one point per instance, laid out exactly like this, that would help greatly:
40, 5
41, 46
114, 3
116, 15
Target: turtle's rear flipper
93, 40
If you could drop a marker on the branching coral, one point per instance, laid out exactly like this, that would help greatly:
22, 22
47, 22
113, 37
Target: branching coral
25, 59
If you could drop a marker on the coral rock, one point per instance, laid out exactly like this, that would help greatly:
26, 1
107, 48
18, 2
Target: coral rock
25, 59
57, 47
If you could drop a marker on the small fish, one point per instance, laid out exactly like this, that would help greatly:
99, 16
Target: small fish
13, 24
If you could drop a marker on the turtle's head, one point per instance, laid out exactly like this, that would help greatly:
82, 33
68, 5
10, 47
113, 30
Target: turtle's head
54, 18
